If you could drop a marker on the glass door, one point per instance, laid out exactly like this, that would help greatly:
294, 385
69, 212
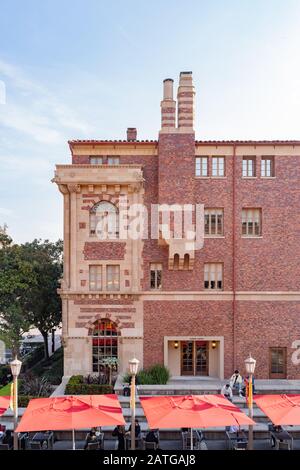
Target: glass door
277, 363
187, 358
201, 358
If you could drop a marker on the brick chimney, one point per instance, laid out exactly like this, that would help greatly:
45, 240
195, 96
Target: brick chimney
185, 101
131, 134
168, 107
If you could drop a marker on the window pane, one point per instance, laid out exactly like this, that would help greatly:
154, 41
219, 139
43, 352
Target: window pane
113, 277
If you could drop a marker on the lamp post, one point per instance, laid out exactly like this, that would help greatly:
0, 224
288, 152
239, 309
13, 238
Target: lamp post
15, 366
133, 368
250, 368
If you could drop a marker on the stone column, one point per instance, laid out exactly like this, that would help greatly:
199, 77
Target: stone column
74, 190
63, 188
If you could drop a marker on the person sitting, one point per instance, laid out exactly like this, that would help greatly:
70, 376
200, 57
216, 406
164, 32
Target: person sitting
236, 381
119, 432
91, 437
226, 391
137, 428
8, 439
274, 428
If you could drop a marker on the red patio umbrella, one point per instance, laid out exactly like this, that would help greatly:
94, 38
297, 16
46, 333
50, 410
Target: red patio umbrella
281, 409
192, 411
4, 404
71, 412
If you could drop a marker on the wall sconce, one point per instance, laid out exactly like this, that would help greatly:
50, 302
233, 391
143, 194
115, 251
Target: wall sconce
214, 344
176, 344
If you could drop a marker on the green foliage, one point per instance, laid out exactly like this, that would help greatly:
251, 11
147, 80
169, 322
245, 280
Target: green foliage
77, 385
4, 372
5, 391
51, 369
23, 400
155, 375
37, 386
32, 358
29, 279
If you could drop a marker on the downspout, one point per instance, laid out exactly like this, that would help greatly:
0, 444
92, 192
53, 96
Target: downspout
233, 255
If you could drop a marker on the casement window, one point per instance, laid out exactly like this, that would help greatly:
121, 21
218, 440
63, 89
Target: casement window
113, 160
251, 222
218, 166
267, 167
96, 160
249, 167
201, 166
155, 275
277, 363
213, 276
113, 277
104, 220
95, 277
213, 222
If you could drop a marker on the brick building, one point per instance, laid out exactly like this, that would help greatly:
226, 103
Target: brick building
198, 311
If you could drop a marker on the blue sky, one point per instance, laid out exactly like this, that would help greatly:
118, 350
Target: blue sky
91, 68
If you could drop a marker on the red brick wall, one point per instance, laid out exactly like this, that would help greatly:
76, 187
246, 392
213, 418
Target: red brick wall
104, 250
167, 318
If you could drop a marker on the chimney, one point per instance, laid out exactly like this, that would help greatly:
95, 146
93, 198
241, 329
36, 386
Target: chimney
168, 106
131, 134
185, 100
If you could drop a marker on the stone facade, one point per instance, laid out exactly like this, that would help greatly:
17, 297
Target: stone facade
258, 306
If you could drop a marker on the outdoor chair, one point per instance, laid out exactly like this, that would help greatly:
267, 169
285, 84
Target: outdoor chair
284, 446
35, 445
240, 446
4, 447
150, 445
93, 446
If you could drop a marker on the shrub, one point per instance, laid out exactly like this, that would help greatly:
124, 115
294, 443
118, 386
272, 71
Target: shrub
23, 400
88, 389
35, 386
5, 374
155, 375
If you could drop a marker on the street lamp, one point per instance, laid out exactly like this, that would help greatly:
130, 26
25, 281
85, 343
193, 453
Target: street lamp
133, 368
250, 368
15, 366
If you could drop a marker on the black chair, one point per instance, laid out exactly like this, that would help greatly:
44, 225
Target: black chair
4, 447
240, 445
93, 446
35, 445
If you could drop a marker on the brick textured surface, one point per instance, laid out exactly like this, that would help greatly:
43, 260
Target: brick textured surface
104, 250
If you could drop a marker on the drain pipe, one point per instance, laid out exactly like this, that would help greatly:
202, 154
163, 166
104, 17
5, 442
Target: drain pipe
233, 254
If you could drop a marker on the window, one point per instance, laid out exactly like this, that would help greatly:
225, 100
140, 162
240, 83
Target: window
96, 160
105, 345
213, 276
95, 275
277, 366
218, 167
213, 222
155, 275
113, 277
251, 222
267, 167
249, 167
201, 168
113, 160
104, 220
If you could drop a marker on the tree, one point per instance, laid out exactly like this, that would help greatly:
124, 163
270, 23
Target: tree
43, 304
16, 278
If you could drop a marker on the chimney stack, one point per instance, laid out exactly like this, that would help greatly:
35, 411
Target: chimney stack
185, 100
131, 134
168, 106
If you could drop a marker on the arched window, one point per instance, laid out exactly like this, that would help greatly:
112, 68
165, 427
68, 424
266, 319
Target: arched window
104, 220
105, 344
176, 261
186, 261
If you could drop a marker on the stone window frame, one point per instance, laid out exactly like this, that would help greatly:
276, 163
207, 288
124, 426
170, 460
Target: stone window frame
96, 159
214, 273
116, 281
113, 160
94, 219
213, 211
251, 222
95, 277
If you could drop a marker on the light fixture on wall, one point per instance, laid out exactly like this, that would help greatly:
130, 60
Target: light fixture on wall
176, 344
214, 344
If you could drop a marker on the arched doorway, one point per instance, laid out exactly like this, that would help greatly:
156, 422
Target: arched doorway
105, 346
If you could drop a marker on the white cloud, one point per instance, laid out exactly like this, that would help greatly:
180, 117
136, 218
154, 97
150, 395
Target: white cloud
34, 110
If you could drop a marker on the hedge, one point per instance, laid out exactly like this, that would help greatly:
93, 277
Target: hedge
77, 386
